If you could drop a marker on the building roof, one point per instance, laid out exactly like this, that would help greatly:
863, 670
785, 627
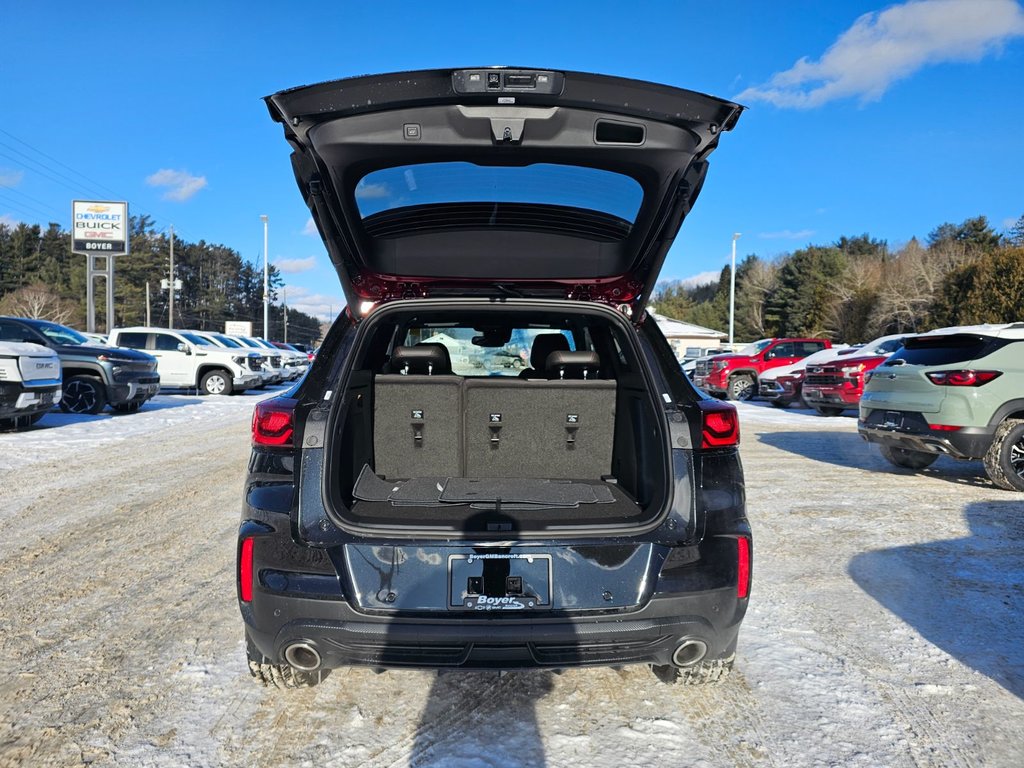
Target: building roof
677, 328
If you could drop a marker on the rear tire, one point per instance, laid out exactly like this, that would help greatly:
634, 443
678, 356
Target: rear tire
1004, 460
283, 676
714, 671
83, 394
740, 387
216, 382
906, 458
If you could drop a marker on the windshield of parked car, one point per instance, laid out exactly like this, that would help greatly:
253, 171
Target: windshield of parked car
61, 334
753, 349
196, 339
225, 340
536, 184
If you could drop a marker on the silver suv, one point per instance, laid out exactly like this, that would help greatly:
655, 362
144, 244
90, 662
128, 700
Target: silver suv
953, 391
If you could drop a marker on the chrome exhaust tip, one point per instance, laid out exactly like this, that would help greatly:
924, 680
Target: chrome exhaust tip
303, 657
689, 652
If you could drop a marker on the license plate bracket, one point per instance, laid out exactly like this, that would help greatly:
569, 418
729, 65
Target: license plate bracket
482, 582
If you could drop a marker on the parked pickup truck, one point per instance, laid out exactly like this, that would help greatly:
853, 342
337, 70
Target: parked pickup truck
734, 376
188, 361
29, 383
834, 386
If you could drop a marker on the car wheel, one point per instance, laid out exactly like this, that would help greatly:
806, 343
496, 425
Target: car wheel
741, 388
83, 394
826, 410
128, 407
215, 382
517, 363
906, 458
698, 674
265, 672
1004, 460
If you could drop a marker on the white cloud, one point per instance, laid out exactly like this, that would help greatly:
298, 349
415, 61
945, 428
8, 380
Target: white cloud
292, 266
366, 191
11, 178
882, 48
318, 305
310, 228
8, 221
787, 234
182, 184
704, 278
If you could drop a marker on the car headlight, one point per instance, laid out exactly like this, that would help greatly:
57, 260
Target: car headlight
239, 361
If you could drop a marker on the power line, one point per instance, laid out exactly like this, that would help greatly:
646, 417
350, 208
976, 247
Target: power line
58, 162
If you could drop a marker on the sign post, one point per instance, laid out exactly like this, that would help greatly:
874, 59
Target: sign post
99, 232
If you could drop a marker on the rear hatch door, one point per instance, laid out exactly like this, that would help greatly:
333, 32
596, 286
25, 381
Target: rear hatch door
499, 182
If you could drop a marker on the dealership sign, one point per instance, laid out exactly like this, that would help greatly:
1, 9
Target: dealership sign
99, 228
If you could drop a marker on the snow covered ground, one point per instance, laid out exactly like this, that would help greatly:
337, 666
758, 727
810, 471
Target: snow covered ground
885, 625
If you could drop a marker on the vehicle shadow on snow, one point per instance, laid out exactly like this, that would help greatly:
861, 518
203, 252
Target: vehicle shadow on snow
845, 449
57, 418
481, 718
962, 595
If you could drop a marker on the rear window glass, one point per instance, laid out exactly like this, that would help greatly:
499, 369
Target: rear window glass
944, 350
469, 359
538, 184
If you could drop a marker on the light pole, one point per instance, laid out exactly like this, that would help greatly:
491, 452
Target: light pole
266, 279
732, 290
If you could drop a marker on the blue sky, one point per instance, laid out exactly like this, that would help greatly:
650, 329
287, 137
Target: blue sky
864, 116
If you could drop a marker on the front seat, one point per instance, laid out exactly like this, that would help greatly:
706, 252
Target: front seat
543, 345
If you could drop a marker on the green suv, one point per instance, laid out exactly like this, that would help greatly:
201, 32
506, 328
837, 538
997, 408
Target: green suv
953, 391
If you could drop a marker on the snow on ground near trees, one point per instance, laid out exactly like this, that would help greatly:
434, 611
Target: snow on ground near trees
884, 627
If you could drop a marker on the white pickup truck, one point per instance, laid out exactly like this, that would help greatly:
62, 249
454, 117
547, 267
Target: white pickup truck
188, 361
30, 383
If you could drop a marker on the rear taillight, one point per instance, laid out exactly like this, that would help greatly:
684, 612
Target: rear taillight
719, 424
962, 378
273, 422
245, 571
944, 427
742, 566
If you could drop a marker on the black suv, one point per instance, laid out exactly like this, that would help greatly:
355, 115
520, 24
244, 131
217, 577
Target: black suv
408, 507
94, 376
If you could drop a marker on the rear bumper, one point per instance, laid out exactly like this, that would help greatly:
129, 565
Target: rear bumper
967, 443
343, 637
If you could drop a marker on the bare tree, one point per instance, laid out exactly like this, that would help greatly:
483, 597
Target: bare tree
39, 302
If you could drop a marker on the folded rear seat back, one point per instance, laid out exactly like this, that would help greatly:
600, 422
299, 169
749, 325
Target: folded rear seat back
561, 429
417, 425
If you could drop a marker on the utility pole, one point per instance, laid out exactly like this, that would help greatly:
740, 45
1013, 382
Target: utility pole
732, 290
148, 322
266, 280
284, 308
170, 284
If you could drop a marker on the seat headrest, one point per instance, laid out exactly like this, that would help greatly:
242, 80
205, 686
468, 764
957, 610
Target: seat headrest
430, 359
543, 345
572, 365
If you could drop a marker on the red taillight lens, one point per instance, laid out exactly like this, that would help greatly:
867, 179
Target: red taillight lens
742, 566
720, 424
245, 571
962, 378
273, 422
944, 427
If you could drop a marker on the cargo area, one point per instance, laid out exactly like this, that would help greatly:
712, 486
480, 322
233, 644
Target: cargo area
564, 436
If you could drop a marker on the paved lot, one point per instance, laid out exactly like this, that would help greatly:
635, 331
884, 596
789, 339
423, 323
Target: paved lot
885, 627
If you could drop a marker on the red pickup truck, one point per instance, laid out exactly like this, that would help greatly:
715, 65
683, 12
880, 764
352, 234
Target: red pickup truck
833, 387
734, 376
